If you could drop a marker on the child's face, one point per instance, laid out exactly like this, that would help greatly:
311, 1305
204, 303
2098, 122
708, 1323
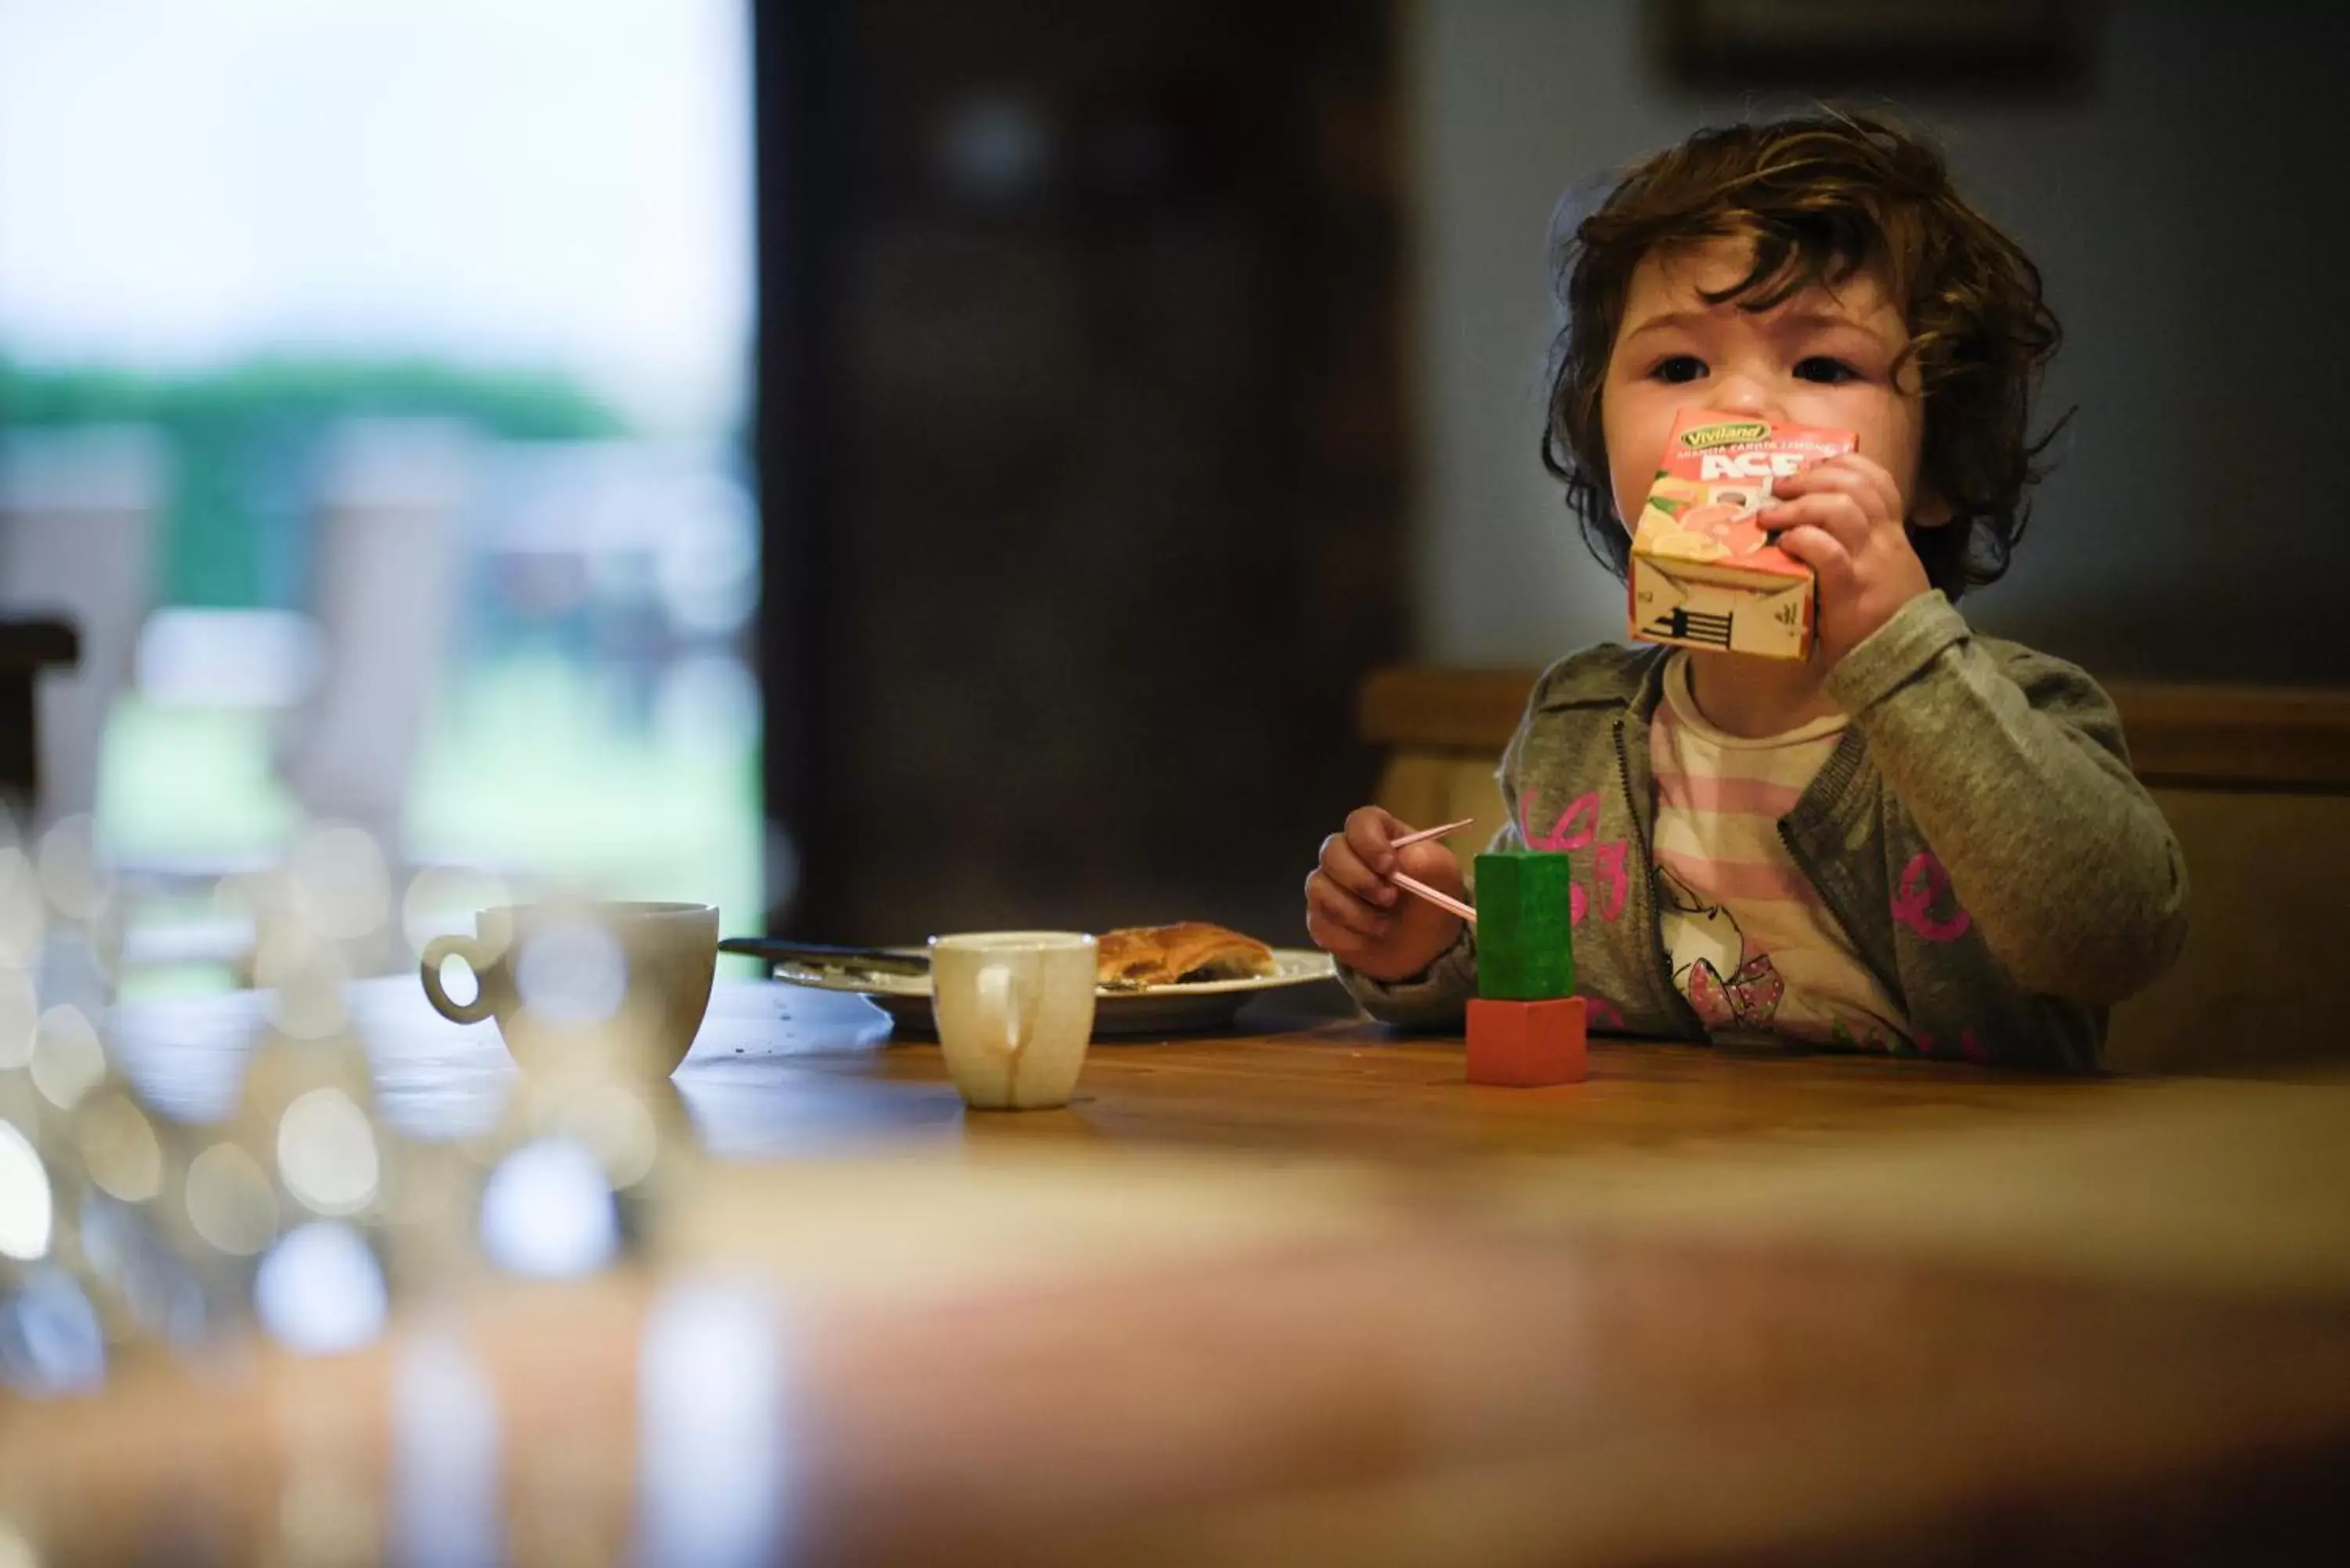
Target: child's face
1821, 357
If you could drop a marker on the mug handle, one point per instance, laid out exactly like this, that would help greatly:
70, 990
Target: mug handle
436, 952
1002, 998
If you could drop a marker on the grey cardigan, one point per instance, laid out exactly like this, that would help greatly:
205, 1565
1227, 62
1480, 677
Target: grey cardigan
1977, 832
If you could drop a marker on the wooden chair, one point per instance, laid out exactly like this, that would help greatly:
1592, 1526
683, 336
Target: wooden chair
27, 646
78, 520
2255, 781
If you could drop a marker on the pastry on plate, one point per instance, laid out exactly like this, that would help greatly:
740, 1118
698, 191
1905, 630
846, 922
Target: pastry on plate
1136, 956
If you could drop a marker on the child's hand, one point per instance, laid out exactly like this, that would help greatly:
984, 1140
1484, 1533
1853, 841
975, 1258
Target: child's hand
1362, 919
1843, 518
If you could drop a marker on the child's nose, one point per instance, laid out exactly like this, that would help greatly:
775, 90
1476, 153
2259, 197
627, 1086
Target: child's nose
1741, 394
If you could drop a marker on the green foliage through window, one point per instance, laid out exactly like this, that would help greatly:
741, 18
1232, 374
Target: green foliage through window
244, 439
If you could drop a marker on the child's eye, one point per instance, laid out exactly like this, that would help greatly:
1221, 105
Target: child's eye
1821, 368
1676, 369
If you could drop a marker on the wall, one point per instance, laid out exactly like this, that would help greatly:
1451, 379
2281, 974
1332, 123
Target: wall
2184, 205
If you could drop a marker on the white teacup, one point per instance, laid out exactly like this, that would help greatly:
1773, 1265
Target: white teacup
1015, 1011
633, 975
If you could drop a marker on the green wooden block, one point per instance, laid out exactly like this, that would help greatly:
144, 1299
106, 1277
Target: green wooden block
1525, 941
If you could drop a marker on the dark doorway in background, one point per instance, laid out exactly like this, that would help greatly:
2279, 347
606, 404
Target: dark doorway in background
1080, 429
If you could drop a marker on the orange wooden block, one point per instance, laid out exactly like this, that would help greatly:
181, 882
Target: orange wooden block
1527, 1045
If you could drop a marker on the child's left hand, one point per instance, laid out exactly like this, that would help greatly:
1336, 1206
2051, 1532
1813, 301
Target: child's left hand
1843, 518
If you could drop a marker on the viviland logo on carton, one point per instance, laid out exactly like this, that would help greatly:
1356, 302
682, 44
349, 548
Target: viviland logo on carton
1728, 434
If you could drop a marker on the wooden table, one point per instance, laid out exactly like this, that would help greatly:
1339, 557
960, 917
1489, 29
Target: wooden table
781, 1071
1305, 1297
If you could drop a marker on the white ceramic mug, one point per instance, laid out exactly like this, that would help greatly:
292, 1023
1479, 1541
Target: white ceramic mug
1015, 1011
661, 959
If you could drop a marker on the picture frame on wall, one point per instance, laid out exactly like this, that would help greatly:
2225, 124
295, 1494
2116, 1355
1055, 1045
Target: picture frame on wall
1819, 44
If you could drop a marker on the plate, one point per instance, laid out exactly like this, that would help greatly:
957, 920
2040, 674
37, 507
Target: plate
1190, 1008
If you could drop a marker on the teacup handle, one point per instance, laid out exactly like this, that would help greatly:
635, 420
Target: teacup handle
439, 950
1001, 998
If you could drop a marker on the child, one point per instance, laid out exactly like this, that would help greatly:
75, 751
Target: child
1920, 839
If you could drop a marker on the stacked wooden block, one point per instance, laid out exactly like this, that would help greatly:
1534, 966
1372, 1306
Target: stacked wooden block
1526, 1027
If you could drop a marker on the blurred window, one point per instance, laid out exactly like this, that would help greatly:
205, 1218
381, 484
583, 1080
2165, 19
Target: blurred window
404, 346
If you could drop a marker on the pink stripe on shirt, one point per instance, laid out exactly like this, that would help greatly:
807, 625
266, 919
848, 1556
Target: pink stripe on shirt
1753, 797
1725, 880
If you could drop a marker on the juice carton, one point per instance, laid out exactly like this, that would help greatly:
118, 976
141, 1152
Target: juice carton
1703, 574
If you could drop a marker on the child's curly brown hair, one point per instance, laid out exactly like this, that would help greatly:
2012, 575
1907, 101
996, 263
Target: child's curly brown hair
1827, 196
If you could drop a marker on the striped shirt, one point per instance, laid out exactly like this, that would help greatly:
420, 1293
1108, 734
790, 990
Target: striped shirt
1752, 946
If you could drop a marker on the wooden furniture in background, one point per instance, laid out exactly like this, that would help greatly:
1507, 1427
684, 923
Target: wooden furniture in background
2255, 781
